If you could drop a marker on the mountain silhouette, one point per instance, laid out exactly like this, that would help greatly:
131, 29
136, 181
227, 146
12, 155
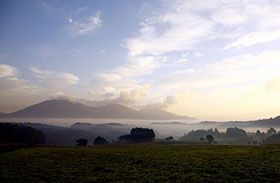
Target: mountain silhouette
68, 109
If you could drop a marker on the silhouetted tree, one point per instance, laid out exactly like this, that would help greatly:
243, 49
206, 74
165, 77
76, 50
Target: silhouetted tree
260, 136
81, 142
100, 141
271, 131
235, 132
210, 139
142, 134
15, 133
169, 138
139, 135
216, 131
274, 139
195, 135
126, 137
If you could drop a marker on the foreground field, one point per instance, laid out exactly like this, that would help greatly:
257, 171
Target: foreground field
142, 163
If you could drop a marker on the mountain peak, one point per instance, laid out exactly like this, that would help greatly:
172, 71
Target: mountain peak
63, 108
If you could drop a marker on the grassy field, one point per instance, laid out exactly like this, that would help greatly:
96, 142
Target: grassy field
142, 163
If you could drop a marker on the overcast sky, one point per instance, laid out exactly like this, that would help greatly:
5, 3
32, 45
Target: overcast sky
208, 59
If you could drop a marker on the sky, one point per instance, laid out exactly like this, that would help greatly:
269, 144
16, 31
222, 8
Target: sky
212, 60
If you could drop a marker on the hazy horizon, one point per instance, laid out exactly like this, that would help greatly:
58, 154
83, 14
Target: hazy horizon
218, 61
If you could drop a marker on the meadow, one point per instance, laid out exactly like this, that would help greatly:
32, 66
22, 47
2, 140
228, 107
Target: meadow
142, 163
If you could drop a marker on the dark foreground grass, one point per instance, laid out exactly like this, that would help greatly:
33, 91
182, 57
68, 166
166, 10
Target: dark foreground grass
142, 163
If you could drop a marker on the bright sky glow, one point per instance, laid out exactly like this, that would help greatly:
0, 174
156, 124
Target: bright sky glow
213, 60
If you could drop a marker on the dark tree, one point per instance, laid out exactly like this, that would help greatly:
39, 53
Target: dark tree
100, 141
274, 139
81, 142
15, 133
138, 135
126, 137
260, 136
202, 139
210, 139
216, 131
235, 132
169, 138
142, 134
195, 135
271, 131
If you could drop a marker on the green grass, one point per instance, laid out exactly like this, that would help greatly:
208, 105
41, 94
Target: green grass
142, 163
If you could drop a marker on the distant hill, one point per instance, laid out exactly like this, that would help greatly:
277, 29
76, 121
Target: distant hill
168, 123
68, 109
15, 133
57, 135
266, 123
108, 130
156, 113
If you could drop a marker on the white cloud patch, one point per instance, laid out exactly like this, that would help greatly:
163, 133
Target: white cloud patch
126, 97
15, 93
253, 38
7, 70
65, 96
79, 28
54, 80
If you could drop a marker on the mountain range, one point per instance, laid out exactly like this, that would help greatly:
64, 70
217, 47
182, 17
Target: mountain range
58, 108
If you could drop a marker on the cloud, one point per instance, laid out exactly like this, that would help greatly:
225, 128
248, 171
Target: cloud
181, 25
238, 70
80, 10
183, 58
15, 92
9, 80
129, 97
255, 38
7, 70
11, 83
87, 26
179, 36
230, 89
177, 99
77, 51
64, 96
54, 80
126, 97
198, 54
